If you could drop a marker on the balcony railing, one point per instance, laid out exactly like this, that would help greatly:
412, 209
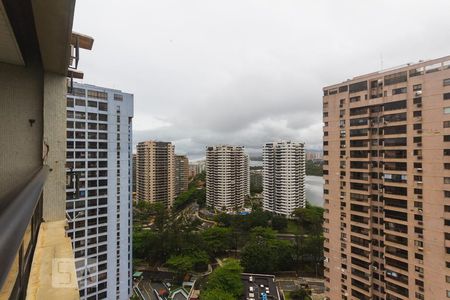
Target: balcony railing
20, 219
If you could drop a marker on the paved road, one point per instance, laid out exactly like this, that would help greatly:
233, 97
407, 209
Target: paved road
147, 290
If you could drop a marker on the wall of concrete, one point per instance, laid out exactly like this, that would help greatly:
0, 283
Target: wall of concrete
54, 148
20, 142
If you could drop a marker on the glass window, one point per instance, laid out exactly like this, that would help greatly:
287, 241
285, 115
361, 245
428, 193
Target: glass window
446, 82
399, 91
446, 110
395, 78
358, 87
80, 102
97, 95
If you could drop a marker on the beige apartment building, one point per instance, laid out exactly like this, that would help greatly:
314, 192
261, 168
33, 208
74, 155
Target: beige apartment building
227, 177
155, 172
387, 184
181, 174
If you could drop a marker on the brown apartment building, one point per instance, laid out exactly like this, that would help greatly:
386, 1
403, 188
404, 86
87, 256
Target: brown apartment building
155, 172
181, 174
387, 184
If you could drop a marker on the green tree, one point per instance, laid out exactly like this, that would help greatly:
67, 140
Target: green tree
301, 294
182, 264
258, 257
217, 240
279, 223
227, 278
216, 294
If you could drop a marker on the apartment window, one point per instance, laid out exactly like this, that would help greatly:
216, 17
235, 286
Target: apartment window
395, 142
446, 110
78, 92
80, 102
395, 117
358, 122
102, 117
417, 100
446, 81
98, 95
395, 105
417, 87
358, 87
417, 113
80, 115
332, 92
103, 106
416, 72
399, 91
447, 180
446, 96
343, 88
395, 130
419, 126
355, 99
446, 152
395, 78
359, 111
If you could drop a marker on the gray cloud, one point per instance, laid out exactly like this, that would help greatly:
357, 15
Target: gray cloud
247, 71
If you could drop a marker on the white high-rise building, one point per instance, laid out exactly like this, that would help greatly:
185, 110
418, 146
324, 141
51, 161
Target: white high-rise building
283, 177
226, 177
99, 199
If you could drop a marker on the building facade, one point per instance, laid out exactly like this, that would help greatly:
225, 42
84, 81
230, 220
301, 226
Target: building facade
36, 51
98, 199
227, 177
387, 184
283, 177
181, 174
155, 172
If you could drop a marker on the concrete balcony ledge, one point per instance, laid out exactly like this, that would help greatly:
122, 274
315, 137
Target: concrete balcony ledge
53, 274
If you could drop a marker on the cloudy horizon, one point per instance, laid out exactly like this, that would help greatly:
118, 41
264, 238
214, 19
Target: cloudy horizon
247, 72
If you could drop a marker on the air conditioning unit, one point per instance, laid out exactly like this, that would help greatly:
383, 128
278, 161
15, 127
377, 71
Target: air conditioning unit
419, 104
419, 131
418, 93
419, 144
420, 248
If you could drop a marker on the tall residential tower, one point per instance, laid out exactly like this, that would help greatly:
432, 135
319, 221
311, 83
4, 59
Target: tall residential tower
155, 172
283, 177
387, 184
227, 177
181, 174
99, 197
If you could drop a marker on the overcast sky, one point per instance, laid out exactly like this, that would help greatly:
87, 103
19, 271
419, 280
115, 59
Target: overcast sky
247, 72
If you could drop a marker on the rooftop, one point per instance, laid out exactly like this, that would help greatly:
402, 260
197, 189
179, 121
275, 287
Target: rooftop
259, 286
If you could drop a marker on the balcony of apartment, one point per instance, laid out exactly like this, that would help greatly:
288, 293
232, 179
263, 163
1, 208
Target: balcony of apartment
38, 51
395, 291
